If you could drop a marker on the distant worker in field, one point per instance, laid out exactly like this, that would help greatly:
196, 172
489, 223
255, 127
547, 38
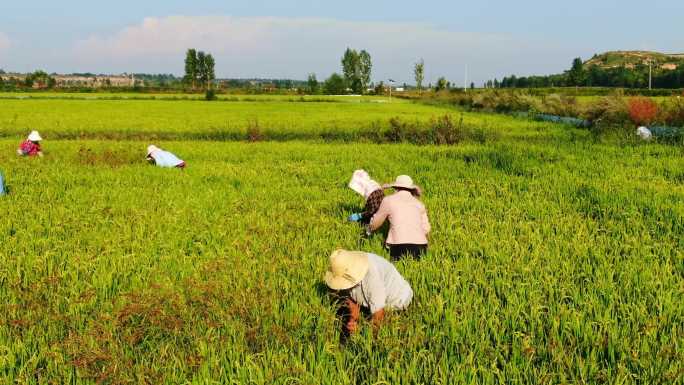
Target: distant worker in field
365, 281
371, 191
409, 224
163, 158
31, 146
2, 185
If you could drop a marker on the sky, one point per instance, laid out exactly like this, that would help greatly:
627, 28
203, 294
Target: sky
290, 39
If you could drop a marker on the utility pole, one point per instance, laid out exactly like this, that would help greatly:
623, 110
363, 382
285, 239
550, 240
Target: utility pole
465, 81
391, 81
650, 75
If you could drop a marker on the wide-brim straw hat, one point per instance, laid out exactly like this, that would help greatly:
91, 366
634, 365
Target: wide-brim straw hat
34, 136
346, 270
151, 148
404, 181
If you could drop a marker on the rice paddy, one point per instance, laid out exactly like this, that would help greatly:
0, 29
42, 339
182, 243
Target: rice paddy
555, 257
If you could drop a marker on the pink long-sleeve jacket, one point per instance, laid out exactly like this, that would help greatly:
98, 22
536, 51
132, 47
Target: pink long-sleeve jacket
408, 219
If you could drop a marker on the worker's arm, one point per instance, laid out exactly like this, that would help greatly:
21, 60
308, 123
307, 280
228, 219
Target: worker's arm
425, 222
354, 315
378, 316
380, 217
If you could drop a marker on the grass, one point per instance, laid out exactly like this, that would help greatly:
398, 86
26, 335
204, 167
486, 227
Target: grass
189, 120
172, 95
554, 258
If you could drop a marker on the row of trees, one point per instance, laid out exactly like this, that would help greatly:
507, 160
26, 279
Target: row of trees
595, 76
37, 79
356, 75
199, 69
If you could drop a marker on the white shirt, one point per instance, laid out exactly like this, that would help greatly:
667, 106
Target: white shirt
382, 287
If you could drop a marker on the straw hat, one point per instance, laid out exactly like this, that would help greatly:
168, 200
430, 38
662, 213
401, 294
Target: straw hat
404, 181
151, 148
34, 136
346, 270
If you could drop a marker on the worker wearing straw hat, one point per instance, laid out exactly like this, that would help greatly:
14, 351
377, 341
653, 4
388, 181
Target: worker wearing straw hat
31, 146
368, 281
163, 158
409, 224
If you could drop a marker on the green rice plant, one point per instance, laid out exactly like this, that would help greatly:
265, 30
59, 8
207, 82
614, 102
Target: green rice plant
554, 258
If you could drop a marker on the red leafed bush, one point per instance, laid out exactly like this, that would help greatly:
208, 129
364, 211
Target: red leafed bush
642, 110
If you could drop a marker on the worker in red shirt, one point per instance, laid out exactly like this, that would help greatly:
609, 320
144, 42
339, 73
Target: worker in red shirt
31, 146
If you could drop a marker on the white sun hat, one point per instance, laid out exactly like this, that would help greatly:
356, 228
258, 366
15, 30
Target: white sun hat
404, 181
362, 183
346, 270
34, 136
151, 148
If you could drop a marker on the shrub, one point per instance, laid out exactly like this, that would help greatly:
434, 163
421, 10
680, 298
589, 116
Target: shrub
642, 111
210, 95
672, 112
560, 105
254, 133
607, 111
444, 131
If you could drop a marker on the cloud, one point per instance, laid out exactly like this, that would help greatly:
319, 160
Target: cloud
293, 47
5, 42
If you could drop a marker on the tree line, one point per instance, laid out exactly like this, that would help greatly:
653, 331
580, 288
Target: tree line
580, 75
199, 69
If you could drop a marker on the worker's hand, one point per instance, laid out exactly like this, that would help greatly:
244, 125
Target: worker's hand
352, 326
354, 217
378, 317
354, 315
40, 154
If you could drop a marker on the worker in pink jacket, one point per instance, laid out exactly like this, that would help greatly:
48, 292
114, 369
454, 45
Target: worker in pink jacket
409, 224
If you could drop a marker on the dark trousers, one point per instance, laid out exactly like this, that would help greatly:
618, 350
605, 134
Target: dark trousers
407, 249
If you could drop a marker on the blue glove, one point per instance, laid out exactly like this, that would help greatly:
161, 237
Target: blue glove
354, 217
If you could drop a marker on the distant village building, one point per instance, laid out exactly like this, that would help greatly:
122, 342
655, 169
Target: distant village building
669, 66
95, 81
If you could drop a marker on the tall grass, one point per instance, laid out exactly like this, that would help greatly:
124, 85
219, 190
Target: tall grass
557, 261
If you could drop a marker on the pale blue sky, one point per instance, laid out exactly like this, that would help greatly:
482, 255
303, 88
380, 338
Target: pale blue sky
281, 38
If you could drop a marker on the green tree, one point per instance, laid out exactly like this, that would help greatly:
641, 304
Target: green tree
335, 85
350, 66
208, 71
312, 84
380, 88
356, 68
419, 73
366, 67
577, 75
441, 84
191, 68
201, 67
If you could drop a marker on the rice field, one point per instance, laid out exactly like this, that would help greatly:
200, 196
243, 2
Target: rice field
555, 258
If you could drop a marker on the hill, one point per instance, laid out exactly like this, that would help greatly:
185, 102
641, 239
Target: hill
634, 59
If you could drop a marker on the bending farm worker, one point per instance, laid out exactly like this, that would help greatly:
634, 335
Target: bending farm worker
366, 281
2, 185
371, 191
31, 146
163, 158
409, 224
